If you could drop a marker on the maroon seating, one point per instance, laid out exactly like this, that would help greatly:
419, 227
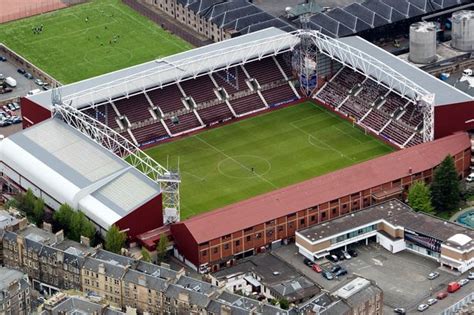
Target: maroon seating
150, 132
417, 139
232, 80
247, 104
285, 65
413, 116
200, 89
392, 103
265, 70
375, 120
105, 114
397, 133
215, 113
168, 98
186, 122
279, 94
135, 108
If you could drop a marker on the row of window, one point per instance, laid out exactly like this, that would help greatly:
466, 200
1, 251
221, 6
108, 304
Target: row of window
353, 234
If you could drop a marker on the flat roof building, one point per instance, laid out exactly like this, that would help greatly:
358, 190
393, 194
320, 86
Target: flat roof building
396, 227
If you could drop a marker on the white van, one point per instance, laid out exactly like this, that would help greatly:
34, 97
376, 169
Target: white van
33, 92
470, 178
10, 81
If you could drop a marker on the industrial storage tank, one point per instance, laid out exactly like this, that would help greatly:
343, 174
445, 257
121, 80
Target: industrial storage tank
423, 42
463, 30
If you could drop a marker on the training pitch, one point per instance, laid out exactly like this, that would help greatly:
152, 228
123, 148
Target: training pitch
89, 39
252, 156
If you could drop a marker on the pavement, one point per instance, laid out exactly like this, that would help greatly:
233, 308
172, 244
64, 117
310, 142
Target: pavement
24, 85
401, 276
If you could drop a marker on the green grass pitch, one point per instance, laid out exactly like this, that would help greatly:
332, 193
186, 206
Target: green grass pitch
71, 49
252, 156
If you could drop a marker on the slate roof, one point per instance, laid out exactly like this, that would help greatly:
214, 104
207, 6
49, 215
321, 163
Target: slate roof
195, 298
151, 282
358, 17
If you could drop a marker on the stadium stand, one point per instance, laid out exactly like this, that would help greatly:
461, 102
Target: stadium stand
232, 80
356, 96
247, 104
279, 94
134, 108
150, 132
265, 70
200, 89
183, 123
167, 99
216, 113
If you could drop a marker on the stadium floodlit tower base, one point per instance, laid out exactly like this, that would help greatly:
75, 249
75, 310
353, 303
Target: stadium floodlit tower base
120, 146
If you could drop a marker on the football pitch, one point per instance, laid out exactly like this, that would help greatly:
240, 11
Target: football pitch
89, 39
252, 156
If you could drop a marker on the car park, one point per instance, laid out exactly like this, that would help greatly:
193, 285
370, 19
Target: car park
463, 282
28, 75
471, 275
21, 71
38, 82
352, 252
431, 301
433, 275
327, 275
453, 287
346, 255
422, 307
332, 258
335, 268
441, 295
399, 310
317, 268
340, 272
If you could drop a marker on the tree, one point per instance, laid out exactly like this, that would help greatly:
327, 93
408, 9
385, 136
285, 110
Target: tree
146, 255
38, 211
445, 190
284, 304
63, 217
26, 202
419, 197
162, 247
114, 239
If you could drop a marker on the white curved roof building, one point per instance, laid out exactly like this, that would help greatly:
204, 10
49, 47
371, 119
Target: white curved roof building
61, 165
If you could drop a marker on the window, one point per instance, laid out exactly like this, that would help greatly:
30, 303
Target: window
312, 218
215, 250
258, 236
226, 246
323, 215
302, 221
334, 211
237, 243
204, 253
280, 228
248, 238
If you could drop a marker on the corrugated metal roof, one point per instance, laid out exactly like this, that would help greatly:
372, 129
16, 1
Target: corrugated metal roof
281, 202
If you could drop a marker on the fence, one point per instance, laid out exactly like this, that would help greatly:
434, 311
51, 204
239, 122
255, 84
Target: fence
164, 23
18, 9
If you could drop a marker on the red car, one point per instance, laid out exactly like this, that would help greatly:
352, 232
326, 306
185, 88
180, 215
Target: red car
441, 295
317, 268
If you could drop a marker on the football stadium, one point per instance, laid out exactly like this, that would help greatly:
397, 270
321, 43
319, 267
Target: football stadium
232, 147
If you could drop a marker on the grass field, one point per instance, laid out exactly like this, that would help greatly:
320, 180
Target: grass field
71, 49
282, 147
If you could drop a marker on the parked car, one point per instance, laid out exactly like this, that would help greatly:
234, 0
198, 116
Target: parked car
327, 275
346, 255
46, 86
28, 75
471, 275
423, 307
470, 178
453, 287
431, 301
5, 90
341, 272
399, 310
5, 122
16, 120
352, 252
3, 59
317, 268
463, 282
6, 109
335, 268
332, 258
339, 255
38, 82
16, 105
441, 295
308, 262
21, 71
433, 275
11, 106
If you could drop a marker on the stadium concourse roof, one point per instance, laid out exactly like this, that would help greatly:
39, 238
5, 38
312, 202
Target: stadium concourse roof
318, 190
71, 168
156, 73
445, 94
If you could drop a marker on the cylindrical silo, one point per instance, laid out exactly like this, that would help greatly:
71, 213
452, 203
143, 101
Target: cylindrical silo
423, 42
463, 30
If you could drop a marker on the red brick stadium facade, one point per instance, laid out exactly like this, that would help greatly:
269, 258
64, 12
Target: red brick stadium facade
216, 239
